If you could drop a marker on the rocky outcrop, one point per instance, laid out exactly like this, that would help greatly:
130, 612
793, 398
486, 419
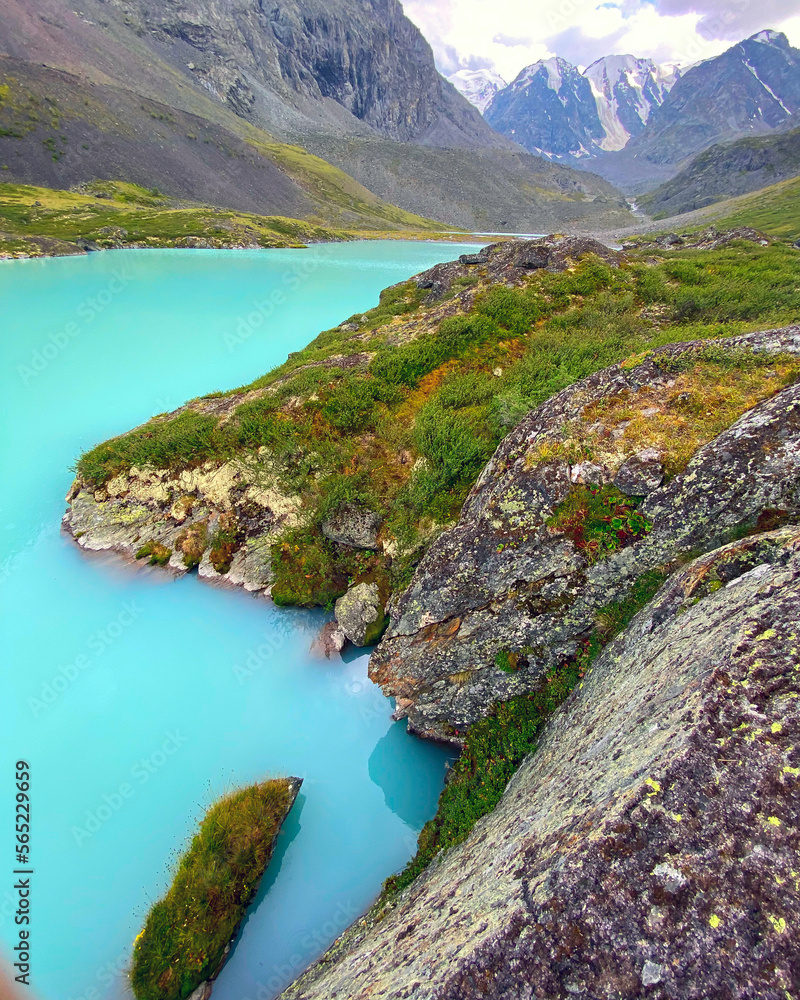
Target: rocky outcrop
649, 847
360, 614
220, 519
708, 239
511, 262
518, 574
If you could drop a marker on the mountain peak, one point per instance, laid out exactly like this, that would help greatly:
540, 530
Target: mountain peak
770, 37
479, 86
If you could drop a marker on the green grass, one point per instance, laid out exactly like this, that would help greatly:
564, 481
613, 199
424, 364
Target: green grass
185, 934
496, 746
774, 210
145, 215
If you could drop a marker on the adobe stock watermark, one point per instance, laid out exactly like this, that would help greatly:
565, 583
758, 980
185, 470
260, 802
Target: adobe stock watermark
310, 945
106, 975
292, 280
372, 703
259, 656
140, 773
96, 646
58, 342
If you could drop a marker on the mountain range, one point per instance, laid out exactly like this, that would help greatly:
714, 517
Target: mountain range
638, 124
327, 111
554, 109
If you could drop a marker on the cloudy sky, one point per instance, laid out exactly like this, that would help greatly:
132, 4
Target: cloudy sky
507, 35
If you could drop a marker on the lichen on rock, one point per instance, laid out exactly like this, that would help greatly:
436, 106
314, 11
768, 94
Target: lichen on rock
649, 846
360, 614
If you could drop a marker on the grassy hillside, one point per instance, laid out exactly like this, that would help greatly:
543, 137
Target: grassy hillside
36, 221
775, 210
726, 171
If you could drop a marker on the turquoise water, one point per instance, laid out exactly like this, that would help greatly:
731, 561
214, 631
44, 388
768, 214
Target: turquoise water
137, 698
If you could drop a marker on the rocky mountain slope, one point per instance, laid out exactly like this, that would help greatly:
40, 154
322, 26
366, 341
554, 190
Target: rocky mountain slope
752, 89
479, 86
725, 171
648, 847
208, 100
554, 109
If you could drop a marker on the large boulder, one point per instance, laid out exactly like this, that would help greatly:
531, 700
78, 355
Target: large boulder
360, 614
354, 525
649, 847
506, 578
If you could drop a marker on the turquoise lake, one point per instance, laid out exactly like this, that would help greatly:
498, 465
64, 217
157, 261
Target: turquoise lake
115, 676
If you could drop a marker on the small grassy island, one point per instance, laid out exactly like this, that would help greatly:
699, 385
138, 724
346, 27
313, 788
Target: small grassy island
186, 933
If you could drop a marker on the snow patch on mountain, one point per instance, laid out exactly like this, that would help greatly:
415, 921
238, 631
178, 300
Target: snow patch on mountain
626, 90
771, 38
479, 86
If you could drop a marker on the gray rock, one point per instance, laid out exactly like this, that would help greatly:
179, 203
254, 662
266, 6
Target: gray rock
354, 525
697, 708
669, 877
588, 473
360, 614
473, 258
670, 240
88, 245
502, 578
640, 475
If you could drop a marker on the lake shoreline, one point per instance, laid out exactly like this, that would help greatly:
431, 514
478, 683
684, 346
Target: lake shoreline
67, 249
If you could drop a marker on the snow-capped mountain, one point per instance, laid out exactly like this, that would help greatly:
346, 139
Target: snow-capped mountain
553, 108
751, 89
549, 109
478, 86
632, 121
626, 90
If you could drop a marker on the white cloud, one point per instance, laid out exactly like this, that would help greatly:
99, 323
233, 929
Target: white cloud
505, 34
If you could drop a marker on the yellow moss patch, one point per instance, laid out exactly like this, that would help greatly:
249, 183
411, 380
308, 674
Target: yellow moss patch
699, 405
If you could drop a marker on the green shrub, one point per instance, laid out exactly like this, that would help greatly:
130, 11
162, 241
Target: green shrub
164, 444
452, 443
599, 520
351, 406
305, 567
155, 553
